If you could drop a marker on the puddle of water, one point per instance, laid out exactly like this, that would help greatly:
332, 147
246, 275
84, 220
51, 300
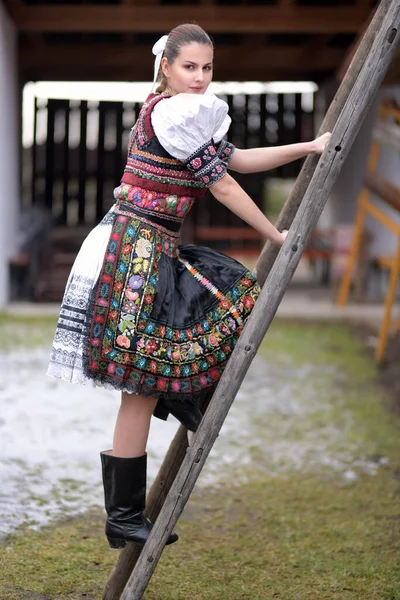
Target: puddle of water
51, 433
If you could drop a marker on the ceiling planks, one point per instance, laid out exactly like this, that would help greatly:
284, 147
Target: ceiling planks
35, 38
134, 62
86, 39
125, 18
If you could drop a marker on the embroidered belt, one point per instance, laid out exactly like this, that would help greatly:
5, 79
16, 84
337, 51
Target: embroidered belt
166, 226
169, 222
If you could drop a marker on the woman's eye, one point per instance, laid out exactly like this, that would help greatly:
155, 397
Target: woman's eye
191, 67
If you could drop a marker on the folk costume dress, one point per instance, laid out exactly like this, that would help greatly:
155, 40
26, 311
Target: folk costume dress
141, 312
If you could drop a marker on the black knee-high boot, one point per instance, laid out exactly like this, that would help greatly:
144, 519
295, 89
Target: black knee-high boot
124, 481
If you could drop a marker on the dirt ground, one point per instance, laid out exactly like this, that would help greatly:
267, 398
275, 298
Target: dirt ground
299, 500
389, 369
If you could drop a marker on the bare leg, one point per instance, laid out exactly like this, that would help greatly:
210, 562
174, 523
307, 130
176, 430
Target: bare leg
133, 424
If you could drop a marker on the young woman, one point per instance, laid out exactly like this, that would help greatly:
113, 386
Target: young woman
141, 313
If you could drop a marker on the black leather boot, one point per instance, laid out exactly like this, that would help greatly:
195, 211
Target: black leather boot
124, 481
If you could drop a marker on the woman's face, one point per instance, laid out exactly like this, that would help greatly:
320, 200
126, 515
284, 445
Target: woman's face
191, 71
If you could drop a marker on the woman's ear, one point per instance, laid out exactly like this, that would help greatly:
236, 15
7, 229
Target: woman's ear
165, 66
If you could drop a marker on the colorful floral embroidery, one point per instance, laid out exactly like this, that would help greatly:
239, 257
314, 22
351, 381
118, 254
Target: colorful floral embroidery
126, 344
206, 164
168, 243
166, 204
225, 151
147, 164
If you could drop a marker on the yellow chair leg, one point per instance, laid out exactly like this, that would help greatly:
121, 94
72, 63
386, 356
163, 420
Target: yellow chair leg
344, 289
390, 298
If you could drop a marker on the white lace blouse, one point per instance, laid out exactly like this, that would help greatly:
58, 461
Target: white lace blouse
190, 127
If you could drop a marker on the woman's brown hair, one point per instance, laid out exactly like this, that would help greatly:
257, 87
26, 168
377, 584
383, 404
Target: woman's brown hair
178, 37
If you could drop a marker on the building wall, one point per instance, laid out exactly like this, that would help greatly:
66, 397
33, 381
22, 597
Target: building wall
384, 242
342, 204
9, 148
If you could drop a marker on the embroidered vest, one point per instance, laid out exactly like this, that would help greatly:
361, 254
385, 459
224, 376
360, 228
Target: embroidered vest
150, 166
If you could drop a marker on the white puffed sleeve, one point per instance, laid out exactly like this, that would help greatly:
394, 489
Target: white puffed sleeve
222, 130
190, 127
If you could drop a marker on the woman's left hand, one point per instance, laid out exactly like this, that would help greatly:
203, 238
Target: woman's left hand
318, 145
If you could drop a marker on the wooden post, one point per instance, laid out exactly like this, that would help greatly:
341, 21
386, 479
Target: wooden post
128, 557
361, 96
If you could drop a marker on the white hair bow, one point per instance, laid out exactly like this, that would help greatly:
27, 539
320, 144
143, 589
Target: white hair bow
158, 50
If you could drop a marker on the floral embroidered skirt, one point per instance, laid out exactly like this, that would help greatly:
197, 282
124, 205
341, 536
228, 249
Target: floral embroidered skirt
143, 314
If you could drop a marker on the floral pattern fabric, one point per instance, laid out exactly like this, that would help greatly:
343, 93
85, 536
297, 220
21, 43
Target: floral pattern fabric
167, 204
150, 166
225, 151
209, 164
127, 345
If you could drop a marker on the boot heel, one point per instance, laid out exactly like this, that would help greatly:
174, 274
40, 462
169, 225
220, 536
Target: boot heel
116, 542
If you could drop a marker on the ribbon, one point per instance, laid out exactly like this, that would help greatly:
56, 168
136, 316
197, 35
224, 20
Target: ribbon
158, 50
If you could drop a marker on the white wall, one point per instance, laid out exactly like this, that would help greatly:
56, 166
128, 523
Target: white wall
349, 182
343, 200
9, 148
384, 242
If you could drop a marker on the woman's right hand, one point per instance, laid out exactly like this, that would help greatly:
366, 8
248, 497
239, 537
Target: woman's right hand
283, 236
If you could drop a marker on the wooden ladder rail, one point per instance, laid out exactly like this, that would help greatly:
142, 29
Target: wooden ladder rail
116, 583
389, 194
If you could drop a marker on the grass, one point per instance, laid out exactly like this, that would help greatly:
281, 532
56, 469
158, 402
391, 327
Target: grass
290, 538
311, 533
25, 332
276, 192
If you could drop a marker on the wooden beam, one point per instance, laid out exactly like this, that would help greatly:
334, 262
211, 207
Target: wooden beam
353, 48
135, 62
216, 19
317, 45
133, 74
137, 2
130, 55
11, 6
34, 38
